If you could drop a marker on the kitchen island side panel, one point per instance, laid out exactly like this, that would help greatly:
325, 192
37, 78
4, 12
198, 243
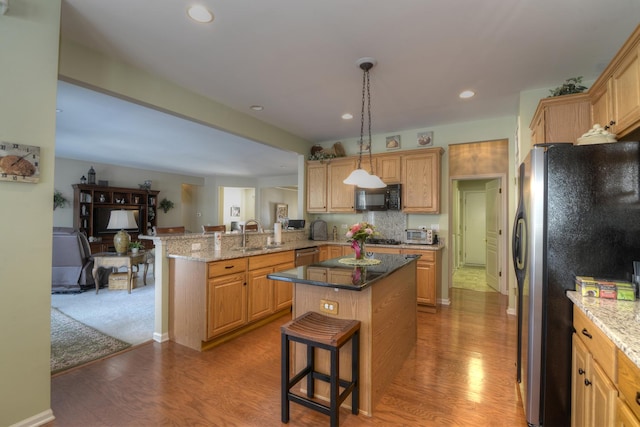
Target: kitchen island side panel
388, 315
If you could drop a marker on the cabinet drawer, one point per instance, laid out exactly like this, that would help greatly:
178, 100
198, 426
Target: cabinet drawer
426, 255
269, 260
629, 382
601, 347
221, 268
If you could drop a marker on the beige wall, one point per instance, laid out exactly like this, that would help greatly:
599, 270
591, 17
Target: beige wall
29, 52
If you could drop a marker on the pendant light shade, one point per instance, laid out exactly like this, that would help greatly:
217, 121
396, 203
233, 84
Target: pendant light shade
361, 177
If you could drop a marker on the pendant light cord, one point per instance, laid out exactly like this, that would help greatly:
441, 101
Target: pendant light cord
366, 93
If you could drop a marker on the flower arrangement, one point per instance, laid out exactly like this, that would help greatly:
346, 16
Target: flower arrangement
358, 235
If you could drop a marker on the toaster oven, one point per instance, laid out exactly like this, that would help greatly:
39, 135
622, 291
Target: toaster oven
417, 236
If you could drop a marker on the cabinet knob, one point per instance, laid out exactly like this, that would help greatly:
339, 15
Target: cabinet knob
580, 371
586, 333
587, 382
638, 397
611, 123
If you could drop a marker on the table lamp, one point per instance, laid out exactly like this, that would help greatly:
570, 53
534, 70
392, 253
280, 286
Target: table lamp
121, 219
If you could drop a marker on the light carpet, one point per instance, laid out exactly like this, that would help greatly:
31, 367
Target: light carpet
128, 317
73, 343
472, 278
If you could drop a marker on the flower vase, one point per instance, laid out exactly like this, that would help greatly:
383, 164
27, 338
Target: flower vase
358, 247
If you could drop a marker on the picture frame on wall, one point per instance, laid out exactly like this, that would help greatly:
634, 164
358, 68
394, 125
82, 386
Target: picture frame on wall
282, 211
235, 211
393, 142
425, 139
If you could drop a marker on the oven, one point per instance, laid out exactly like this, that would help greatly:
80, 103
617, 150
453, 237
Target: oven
306, 256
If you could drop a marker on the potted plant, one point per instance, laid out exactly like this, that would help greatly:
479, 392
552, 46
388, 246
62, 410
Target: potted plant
59, 201
166, 205
572, 85
135, 246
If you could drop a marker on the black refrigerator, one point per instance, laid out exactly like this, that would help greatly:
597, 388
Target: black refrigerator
578, 215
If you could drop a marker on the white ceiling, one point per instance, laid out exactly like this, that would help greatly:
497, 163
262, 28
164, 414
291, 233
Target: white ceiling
298, 60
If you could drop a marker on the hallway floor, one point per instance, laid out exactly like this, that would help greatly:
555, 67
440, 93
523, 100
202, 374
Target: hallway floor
471, 278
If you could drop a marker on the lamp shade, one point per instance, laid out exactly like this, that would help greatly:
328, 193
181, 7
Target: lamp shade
121, 219
363, 179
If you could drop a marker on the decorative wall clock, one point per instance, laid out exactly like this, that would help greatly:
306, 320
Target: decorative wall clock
19, 162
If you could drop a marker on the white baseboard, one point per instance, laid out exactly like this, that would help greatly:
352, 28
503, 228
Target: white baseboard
512, 311
37, 420
444, 301
160, 337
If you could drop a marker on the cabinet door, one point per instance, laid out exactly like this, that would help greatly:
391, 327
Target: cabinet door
426, 282
625, 84
603, 403
316, 187
601, 111
335, 251
282, 291
388, 168
579, 398
421, 183
324, 253
260, 293
227, 304
341, 195
625, 417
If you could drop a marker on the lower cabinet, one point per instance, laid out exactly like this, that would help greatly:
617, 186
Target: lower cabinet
594, 397
428, 278
210, 301
629, 385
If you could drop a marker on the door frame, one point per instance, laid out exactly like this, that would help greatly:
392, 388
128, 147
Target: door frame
503, 263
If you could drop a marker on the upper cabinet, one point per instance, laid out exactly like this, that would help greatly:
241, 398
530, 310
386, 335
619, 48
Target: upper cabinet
417, 170
341, 195
561, 119
421, 181
316, 186
615, 96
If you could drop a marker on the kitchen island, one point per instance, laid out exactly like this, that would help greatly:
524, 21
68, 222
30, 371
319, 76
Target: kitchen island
381, 296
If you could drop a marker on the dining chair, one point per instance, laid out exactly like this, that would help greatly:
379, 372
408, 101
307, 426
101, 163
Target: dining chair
214, 228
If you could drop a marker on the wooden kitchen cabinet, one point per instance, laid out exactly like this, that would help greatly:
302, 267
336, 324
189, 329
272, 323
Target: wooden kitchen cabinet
226, 296
421, 181
615, 96
388, 167
561, 118
427, 277
340, 195
593, 368
629, 385
624, 416
267, 296
336, 251
316, 186
324, 253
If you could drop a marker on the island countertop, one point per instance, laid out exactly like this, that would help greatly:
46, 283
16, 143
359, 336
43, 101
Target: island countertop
335, 274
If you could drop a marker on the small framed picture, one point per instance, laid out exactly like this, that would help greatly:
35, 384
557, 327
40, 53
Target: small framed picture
235, 211
393, 142
425, 139
282, 211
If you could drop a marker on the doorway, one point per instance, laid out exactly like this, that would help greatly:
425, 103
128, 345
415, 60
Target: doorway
478, 241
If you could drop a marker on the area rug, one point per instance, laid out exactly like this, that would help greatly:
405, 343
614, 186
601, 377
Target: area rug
74, 343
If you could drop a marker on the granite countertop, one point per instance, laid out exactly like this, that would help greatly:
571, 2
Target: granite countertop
334, 274
619, 320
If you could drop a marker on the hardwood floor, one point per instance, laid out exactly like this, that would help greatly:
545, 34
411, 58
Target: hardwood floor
461, 373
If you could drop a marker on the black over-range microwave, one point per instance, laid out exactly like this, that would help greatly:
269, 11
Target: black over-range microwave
378, 199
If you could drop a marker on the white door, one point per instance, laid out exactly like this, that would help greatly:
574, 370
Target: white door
474, 228
493, 233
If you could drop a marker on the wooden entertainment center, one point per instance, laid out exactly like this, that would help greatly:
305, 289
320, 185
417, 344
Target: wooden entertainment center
92, 205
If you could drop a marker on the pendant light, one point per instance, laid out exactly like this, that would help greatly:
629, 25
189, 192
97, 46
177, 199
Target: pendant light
361, 177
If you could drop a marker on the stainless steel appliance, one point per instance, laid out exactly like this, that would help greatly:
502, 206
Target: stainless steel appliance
306, 256
578, 214
378, 199
296, 224
418, 236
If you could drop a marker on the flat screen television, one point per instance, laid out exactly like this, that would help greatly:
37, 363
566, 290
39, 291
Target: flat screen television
101, 220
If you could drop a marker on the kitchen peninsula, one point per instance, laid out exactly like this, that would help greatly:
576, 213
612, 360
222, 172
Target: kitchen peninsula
381, 296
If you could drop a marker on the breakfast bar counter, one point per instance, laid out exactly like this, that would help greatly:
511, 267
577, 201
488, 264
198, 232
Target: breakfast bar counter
381, 296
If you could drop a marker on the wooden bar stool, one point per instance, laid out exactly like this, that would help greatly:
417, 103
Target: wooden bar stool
318, 331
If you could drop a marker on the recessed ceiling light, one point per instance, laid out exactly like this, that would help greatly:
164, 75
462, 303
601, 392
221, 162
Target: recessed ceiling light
257, 107
200, 13
347, 116
466, 94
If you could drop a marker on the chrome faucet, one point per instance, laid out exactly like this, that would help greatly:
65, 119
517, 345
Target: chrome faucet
244, 230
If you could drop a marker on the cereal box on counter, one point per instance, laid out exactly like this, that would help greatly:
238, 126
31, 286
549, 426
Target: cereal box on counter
605, 288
